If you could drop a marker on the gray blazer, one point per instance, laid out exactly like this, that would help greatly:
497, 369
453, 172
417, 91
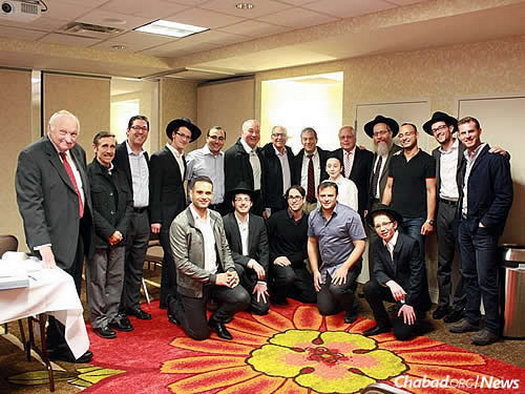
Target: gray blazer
48, 202
187, 244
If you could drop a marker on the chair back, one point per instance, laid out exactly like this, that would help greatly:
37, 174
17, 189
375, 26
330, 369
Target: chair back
8, 243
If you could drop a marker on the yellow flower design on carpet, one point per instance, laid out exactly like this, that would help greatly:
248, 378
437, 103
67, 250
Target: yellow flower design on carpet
326, 362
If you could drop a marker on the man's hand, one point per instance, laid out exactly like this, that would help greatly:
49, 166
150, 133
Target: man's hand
48, 258
261, 289
282, 261
115, 238
397, 291
339, 277
155, 228
258, 268
499, 150
317, 280
233, 279
426, 228
409, 315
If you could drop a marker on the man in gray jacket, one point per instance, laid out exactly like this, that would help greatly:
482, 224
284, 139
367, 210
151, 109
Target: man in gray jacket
205, 268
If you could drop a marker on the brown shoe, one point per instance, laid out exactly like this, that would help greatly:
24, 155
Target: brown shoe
463, 326
484, 337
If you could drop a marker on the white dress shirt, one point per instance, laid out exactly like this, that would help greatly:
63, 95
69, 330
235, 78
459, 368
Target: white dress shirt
204, 225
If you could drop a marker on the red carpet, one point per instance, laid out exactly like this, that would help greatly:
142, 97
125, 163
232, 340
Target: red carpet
291, 350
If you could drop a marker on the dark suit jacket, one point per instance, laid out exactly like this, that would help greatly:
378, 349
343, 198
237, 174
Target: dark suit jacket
273, 177
360, 174
121, 161
489, 191
436, 153
323, 156
384, 175
48, 202
167, 197
238, 170
407, 269
112, 202
257, 241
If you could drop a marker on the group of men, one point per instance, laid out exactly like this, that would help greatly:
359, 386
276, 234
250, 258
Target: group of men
252, 226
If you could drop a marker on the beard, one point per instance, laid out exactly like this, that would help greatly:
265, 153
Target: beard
382, 148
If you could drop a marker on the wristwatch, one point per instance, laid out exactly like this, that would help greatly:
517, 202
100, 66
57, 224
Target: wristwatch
431, 222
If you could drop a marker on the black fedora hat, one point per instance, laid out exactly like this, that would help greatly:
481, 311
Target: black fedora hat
385, 209
241, 189
176, 124
440, 117
369, 127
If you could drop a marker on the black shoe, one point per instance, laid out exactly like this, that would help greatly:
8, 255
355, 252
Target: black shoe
350, 317
376, 330
138, 313
68, 357
484, 337
121, 323
440, 312
220, 329
173, 320
463, 326
105, 332
454, 315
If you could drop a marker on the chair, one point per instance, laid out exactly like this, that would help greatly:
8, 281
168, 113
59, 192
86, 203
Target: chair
150, 259
8, 243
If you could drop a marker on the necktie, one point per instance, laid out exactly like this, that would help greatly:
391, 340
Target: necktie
310, 192
375, 178
347, 164
69, 171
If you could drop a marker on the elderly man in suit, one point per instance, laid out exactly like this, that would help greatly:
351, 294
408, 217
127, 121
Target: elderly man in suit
246, 234
168, 196
132, 160
356, 164
54, 200
398, 277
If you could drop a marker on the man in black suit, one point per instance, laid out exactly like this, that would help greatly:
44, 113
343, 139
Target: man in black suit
246, 234
167, 197
310, 167
54, 200
244, 165
357, 164
132, 159
398, 277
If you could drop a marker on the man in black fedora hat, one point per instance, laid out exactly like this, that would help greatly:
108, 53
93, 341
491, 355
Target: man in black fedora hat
398, 276
168, 197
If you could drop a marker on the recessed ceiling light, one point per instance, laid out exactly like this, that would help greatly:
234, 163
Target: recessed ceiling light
169, 28
118, 47
244, 6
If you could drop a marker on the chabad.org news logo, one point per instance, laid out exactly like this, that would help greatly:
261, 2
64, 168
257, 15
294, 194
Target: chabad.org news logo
480, 382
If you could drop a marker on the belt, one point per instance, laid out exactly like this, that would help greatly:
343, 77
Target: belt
140, 209
448, 202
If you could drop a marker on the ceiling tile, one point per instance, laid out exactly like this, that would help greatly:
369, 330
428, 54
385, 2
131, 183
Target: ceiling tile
200, 17
188, 2
297, 2
154, 9
297, 18
68, 40
113, 19
254, 29
58, 9
21, 34
135, 41
43, 23
348, 8
178, 48
405, 2
261, 7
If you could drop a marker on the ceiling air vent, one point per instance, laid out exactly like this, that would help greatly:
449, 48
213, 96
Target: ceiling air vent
90, 30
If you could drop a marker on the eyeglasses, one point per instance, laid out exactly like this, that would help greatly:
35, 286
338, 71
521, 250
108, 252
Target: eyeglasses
299, 197
183, 136
216, 137
137, 128
243, 199
381, 225
442, 127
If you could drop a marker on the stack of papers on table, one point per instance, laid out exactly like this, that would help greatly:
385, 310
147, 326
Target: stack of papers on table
13, 271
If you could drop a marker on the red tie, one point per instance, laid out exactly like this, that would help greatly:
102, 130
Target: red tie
69, 171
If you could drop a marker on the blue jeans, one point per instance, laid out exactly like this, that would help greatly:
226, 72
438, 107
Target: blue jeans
480, 264
412, 228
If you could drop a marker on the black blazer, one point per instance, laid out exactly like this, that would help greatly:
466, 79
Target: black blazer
407, 269
360, 173
323, 156
238, 170
112, 202
121, 161
48, 201
384, 176
167, 197
273, 177
490, 191
257, 240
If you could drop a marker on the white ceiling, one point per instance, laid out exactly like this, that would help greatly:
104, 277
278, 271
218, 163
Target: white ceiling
274, 34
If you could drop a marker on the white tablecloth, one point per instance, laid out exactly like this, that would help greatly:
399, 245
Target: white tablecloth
50, 291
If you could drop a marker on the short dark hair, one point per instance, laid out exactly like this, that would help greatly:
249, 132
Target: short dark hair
468, 119
100, 135
216, 128
138, 117
309, 130
201, 178
333, 156
410, 124
299, 188
324, 184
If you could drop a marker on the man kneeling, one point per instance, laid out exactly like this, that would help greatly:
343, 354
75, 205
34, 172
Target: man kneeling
205, 268
398, 277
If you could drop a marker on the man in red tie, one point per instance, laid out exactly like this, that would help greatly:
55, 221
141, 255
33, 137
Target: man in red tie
54, 201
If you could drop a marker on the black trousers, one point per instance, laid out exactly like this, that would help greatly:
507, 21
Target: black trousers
374, 295
292, 281
191, 312
168, 278
248, 280
332, 298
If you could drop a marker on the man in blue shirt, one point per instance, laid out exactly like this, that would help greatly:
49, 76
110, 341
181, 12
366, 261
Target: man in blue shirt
336, 242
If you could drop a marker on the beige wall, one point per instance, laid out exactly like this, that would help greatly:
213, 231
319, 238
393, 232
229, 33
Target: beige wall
225, 104
15, 112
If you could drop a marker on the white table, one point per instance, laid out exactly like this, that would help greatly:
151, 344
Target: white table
53, 292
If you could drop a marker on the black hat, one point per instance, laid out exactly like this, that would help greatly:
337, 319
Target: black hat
369, 127
386, 210
241, 189
440, 117
176, 124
